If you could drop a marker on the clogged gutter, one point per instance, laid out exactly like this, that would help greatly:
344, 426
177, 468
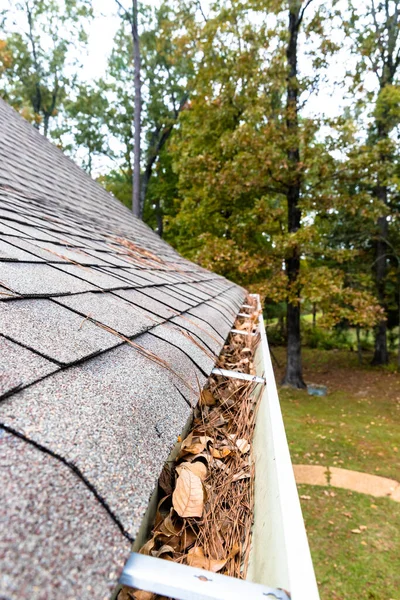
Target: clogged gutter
205, 512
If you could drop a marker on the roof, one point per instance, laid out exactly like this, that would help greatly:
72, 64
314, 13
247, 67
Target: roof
106, 332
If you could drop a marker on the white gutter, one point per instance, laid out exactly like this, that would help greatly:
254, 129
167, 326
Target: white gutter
280, 555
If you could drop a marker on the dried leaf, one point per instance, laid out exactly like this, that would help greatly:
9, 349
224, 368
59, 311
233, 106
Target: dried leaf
243, 446
196, 558
148, 547
165, 480
142, 595
221, 453
169, 527
196, 467
166, 549
163, 509
188, 538
355, 531
126, 594
207, 399
194, 444
188, 496
241, 475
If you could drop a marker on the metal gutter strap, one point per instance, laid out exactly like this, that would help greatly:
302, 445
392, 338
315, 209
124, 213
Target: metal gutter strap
182, 582
238, 375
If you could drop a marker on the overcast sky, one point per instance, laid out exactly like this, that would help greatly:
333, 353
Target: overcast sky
330, 99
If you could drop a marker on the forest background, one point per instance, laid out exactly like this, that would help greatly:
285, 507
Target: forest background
244, 168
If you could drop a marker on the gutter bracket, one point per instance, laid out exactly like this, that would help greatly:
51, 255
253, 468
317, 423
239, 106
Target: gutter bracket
182, 582
238, 375
240, 331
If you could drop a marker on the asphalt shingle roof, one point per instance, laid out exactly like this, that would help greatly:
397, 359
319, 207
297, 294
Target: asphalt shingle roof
105, 334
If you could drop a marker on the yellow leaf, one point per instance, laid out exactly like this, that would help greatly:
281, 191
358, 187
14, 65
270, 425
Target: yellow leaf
188, 496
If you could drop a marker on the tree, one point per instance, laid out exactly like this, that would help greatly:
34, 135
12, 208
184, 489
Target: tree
166, 72
249, 164
374, 30
293, 375
43, 46
132, 17
85, 118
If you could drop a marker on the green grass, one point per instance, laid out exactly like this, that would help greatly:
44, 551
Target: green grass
366, 565
356, 426
339, 430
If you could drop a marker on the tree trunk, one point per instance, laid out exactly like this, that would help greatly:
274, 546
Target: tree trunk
387, 35
46, 120
159, 217
314, 315
137, 112
144, 184
359, 349
398, 347
381, 356
293, 375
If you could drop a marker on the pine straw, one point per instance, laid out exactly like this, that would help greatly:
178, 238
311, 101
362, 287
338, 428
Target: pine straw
220, 439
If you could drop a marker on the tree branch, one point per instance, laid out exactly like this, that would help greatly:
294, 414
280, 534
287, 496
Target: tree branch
127, 13
301, 15
201, 10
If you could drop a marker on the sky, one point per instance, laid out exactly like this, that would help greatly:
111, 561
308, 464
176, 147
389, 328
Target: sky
105, 25
330, 99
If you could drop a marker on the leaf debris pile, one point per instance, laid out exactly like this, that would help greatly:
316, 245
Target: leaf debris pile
205, 514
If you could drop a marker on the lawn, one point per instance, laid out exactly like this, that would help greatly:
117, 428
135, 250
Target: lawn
356, 426
348, 565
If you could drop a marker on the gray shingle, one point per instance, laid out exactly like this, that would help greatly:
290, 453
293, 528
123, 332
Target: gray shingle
183, 340
193, 291
103, 416
9, 252
211, 315
161, 294
97, 277
69, 254
39, 279
6, 294
180, 364
20, 366
32, 252
172, 291
115, 416
132, 278
50, 521
202, 330
111, 311
53, 330
147, 303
